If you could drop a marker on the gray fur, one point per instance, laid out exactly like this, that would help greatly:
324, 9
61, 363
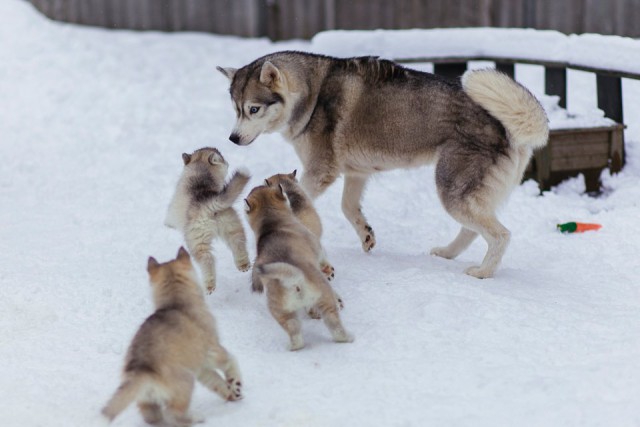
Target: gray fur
359, 116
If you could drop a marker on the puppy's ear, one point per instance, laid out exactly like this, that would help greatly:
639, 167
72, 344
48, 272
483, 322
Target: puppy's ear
228, 72
152, 265
283, 195
266, 182
270, 76
186, 158
247, 206
183, 254
292, 175
215, 158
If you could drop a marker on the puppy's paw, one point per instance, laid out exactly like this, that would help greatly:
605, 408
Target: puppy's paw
243, 265
296, 343
328, 271
243, 171
442, 252
210, 285
314, 313
479, 272
368, 238
343, 337
235, 389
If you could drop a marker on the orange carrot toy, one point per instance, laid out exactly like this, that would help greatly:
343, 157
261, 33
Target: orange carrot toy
577, 227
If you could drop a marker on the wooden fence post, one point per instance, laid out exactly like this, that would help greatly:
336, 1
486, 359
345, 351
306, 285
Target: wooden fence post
610, 101
555, 83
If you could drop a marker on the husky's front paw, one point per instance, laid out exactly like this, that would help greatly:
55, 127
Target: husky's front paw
235, 389
368, 239
479, 272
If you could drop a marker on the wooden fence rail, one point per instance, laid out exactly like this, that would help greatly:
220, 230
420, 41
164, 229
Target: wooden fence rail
285, 19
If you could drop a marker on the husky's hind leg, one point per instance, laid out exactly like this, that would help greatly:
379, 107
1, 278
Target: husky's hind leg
328, 304
462, 241
497, 237
291, 324
352, 209
233, 234
182, 384
219, 358
151, 412
202, 252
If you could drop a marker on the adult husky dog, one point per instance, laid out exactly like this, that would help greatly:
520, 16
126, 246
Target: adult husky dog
359, 116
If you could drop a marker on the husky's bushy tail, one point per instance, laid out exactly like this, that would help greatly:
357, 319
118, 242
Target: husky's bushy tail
124, 396
511, 103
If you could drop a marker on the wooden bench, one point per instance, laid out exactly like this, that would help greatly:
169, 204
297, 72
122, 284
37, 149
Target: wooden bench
569, 152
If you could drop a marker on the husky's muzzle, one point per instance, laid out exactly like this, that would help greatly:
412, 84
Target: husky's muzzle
235, 138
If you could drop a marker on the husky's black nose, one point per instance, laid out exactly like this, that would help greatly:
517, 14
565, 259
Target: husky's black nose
235, 138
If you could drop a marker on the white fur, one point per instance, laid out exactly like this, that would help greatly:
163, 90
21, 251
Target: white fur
511, 103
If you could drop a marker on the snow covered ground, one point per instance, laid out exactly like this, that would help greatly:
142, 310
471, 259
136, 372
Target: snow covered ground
92, 125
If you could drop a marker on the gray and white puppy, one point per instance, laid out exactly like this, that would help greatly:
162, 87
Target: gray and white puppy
360, 116
202, 210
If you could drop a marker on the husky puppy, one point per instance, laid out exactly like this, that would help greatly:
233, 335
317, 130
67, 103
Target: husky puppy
302, 207
202, 209
359, 116
175, 346
287, 263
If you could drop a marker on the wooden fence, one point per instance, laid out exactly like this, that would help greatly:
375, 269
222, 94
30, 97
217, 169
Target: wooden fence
285, 19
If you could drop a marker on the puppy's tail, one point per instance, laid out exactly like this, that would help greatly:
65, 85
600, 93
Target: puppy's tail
124, 395
288, 275
511, 103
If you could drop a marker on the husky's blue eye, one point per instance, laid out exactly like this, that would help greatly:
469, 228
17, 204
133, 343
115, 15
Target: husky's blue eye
253, 110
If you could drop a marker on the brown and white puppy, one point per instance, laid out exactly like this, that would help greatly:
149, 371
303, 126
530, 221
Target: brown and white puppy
288, 264
175, 346
202, 209
302, 207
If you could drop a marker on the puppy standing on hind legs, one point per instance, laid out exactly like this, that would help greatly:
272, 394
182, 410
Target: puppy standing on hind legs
288, 264
174, 347
202, 209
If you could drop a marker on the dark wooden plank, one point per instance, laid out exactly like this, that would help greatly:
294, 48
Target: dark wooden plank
610, 96
555, 83
507, 68
451, 70
578, 163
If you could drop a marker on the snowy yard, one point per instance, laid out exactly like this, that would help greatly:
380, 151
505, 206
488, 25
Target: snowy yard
92, 126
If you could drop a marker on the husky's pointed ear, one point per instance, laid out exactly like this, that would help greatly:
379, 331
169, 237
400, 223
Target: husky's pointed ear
183, 254
186, 158
228, 72
152, 265
266, 182
293, 174
247, 206
270, 76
